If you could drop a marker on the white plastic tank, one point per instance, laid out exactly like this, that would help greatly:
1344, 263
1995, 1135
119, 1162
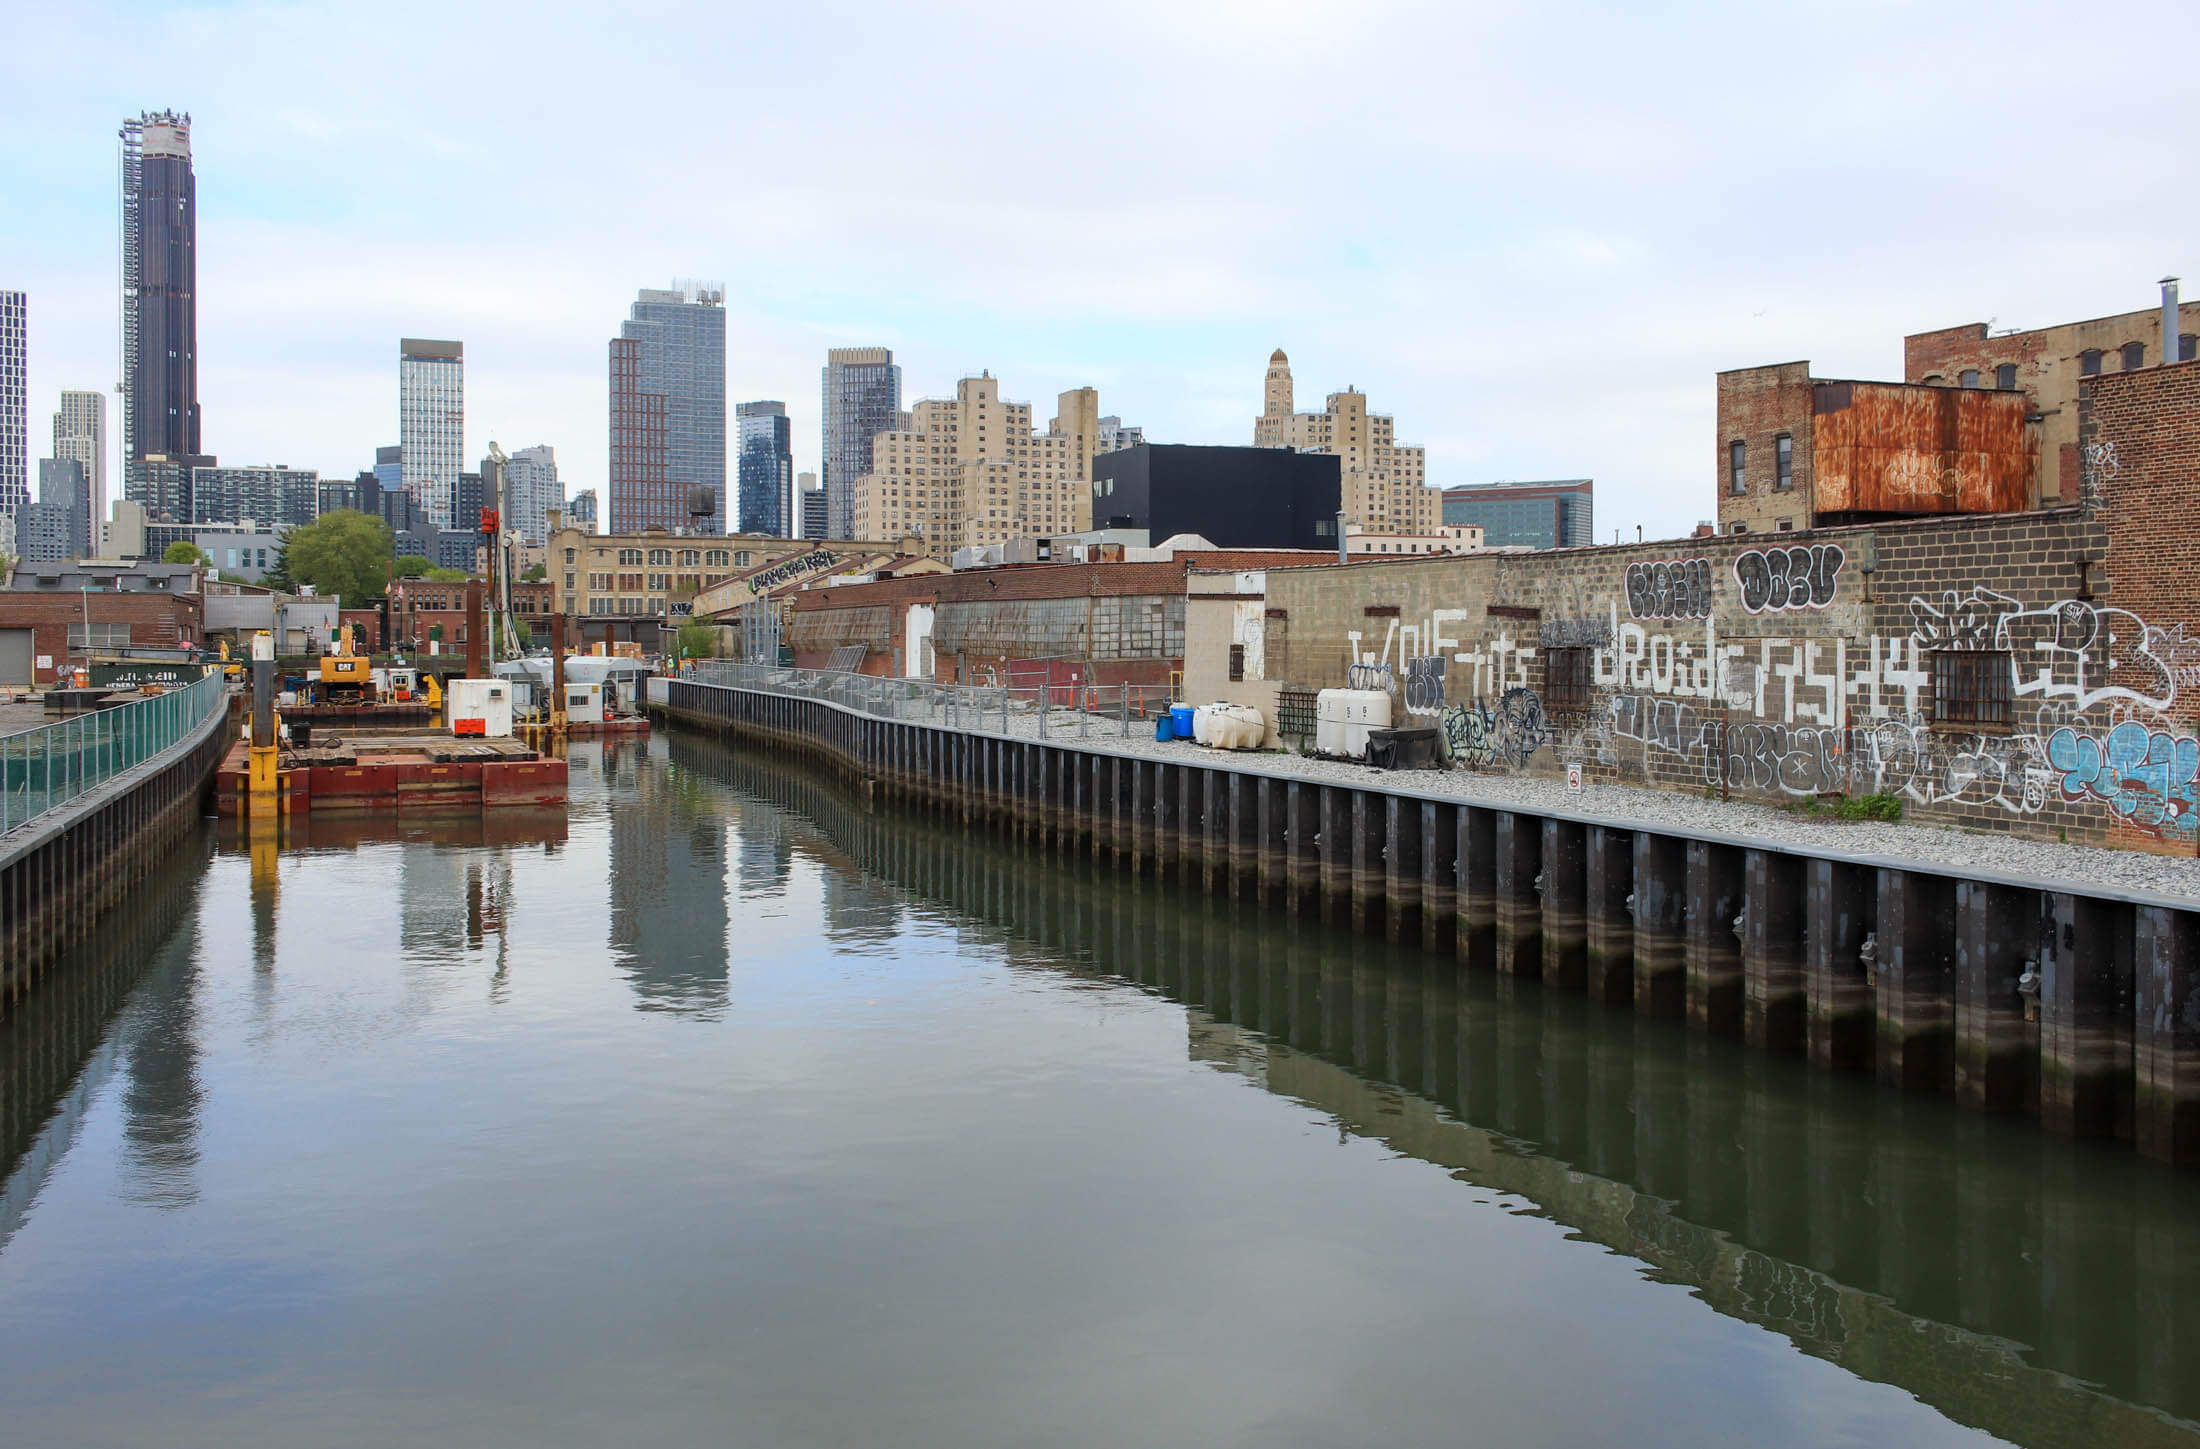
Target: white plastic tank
1343, 717
1229, 726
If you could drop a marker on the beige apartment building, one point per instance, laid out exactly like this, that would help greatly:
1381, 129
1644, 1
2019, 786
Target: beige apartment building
971, 470
658, 574
1385, 486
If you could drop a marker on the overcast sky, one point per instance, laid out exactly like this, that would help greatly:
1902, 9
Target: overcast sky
1531, 233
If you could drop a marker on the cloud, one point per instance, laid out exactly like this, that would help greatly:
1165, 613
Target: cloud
1531, 234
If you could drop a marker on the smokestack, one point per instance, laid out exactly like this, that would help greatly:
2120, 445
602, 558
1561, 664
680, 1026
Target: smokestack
2169, 319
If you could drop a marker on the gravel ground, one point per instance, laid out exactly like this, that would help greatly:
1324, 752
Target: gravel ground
1975, 852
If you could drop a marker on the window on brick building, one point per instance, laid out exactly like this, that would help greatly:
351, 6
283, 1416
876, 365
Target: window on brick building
2135, 356
1973, 687
1737, 467
2089, 362
1568, 682
1737, 528
2188, 347
1970, 377
1783, 453
1785, 525
2005, 377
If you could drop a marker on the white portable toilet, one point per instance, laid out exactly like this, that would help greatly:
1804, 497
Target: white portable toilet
480, 707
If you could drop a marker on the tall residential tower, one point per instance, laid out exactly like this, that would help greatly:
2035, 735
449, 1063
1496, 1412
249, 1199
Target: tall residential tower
862, 400
431, 424
668, 410
80, 432
767, 469
160, 311
15, 412
1385, 485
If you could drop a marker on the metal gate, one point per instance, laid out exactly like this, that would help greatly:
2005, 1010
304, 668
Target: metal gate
15, 657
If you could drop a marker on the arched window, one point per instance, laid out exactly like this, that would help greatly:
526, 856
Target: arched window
2005, 377
2135, 356
2089, 362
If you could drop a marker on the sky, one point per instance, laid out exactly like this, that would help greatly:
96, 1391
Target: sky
1532, 233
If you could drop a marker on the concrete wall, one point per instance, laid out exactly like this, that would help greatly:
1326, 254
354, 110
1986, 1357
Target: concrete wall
1789, 667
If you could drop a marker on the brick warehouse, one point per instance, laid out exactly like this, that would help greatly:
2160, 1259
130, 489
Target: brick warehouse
55, 623
2037, 672
1110, 623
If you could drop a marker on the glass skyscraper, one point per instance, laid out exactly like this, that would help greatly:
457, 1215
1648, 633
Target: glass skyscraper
431, 425
160, 313
767, 469
531, 490
668, 410
862, 400
1554, 514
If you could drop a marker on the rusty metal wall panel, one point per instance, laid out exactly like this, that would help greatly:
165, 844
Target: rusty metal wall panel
831, 628
1897, 449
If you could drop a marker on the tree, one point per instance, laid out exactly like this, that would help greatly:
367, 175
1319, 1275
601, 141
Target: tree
343, 552
535, 574
184, 551
413, 566
446, 576
698, 641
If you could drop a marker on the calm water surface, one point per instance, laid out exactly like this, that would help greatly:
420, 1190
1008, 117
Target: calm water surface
727, 1111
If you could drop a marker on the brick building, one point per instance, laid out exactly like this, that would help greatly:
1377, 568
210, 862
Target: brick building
1796, 451
2048, 365
42, 633
1100, 623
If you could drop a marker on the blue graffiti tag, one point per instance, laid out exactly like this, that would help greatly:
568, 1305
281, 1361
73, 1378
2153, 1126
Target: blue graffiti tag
2145, 777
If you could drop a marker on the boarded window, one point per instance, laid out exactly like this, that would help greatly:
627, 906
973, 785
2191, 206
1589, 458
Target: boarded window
1567, 681
1970, 377
2135, 356
2188, 347
1237, 661
1973, 687
2089, 362
2005, 377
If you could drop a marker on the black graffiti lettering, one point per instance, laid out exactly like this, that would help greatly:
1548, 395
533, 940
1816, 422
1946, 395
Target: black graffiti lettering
1670, 589
1803, 577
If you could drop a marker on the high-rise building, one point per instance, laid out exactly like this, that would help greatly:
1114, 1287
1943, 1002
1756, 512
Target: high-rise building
862, 400
161, 483
58, 527
668, 410
431, 409
160, 312
580, 510
1385, 486
80, 432
472, 496
816, 519
970, 471
389, 467
1114, 437
767, 469
15, 397
531, 490
1559, 513
273, 494
362, 494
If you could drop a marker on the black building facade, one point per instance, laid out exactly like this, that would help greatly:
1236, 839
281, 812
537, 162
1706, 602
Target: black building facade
160, 316
1232, 497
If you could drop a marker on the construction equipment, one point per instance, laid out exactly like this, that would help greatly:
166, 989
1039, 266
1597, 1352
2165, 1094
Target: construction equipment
344, 677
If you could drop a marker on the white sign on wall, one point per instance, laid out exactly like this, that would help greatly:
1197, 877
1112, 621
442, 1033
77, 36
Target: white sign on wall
1573, 778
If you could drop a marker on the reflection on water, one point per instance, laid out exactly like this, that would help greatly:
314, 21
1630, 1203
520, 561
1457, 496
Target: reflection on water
664, 1079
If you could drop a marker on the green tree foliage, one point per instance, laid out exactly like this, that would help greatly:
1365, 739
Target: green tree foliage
183, 551
536, 573
413, 566
446, 576
344, 552
698, 641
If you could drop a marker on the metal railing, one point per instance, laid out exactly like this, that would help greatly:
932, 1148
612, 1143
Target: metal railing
1045, 709
51, 765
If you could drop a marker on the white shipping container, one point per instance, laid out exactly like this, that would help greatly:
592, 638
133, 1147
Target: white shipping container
584, 702
479, 707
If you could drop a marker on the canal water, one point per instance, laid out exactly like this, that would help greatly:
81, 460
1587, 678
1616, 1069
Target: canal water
725, 1109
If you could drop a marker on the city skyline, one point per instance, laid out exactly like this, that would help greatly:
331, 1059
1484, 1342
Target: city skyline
1623, 229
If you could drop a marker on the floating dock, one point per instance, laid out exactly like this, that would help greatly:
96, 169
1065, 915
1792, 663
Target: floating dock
401, 772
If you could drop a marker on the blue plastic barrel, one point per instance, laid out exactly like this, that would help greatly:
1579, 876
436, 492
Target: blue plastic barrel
1180, 718
1163, 727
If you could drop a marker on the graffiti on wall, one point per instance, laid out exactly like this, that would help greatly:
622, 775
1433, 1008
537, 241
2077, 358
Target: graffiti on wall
1797, 714
1503, 734
1802, 577
1670, 589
